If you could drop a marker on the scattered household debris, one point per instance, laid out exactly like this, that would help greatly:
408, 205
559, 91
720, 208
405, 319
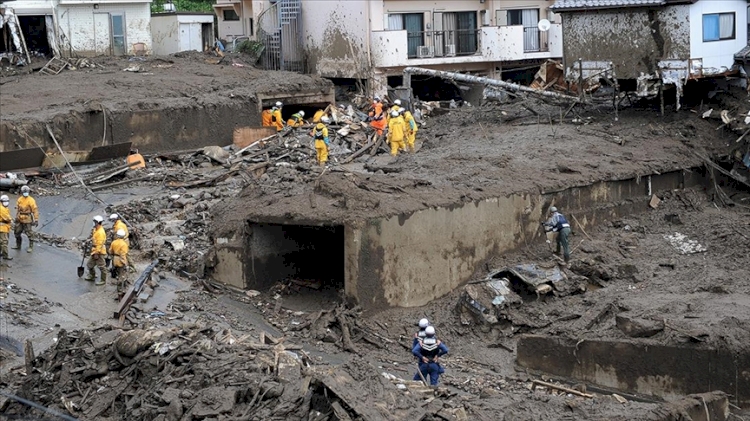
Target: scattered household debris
683, 244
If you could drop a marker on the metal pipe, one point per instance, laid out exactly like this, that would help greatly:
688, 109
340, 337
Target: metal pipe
12, 182
480, 80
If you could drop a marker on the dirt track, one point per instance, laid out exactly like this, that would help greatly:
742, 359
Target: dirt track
466, 155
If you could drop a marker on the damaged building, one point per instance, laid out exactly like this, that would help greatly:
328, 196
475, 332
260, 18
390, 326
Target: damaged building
371, 42
651, 45
75, 28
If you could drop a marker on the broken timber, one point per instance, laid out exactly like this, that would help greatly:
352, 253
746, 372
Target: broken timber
134, 290
482, 81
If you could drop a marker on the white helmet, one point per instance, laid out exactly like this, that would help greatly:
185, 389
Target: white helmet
121, 233
552, 209
397, 102
98, 219
25, 189
430, 331
301, 113
394, 113
424, 323
325, 119
114, 217
279, 104
4, 199
376, 99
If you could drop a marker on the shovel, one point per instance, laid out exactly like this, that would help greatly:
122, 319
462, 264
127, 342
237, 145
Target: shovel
80, 268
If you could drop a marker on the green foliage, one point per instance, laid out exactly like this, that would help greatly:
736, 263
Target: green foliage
252, 48
184, 6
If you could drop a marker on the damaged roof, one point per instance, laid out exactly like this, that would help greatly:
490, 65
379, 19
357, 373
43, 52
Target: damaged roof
743, 54
574, 5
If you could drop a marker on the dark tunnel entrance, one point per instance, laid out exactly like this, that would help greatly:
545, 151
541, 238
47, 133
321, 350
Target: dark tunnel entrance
303, 259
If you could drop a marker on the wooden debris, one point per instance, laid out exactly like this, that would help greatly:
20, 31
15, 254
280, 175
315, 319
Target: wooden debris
562, 388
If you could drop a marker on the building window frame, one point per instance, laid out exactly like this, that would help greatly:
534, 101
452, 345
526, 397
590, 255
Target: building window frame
233, 16
714, 31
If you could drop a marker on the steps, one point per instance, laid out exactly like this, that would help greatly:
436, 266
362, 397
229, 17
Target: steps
54, 66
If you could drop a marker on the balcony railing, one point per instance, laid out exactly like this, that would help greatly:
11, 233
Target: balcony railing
449, 43
534, 40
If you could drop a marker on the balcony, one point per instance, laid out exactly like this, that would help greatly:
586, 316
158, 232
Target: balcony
486, 44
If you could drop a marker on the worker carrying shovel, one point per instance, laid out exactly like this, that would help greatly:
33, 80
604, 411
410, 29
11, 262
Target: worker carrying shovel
557, 223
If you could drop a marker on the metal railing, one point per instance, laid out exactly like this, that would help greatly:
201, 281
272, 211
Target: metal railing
448, 43
280, 31
535, 40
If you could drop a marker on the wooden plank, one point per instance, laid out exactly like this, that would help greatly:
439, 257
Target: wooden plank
134, 290
245, 136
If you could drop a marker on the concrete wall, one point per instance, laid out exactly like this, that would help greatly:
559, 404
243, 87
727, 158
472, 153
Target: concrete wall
634, 39
718, 56
149, 130
643, 367
77, 23
404, 261
231, 29
165, 34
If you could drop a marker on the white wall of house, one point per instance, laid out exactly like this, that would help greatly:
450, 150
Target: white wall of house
172, 33
245, 26
89, 32
718, 56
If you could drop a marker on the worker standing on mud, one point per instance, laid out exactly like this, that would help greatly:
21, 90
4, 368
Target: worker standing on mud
320, 134
395, 107
276, 118
119, 251
5, 223
377, 119
27, 216
396, 133
559, 224
266, 117
296, 120
428, 351
411, 129
98, 252
117, 226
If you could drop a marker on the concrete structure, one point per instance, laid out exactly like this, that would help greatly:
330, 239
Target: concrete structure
671, 40
86, 27
372, 40
236, 20
401, 259
181, 31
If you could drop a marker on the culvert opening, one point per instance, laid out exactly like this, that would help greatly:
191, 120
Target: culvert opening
298, 259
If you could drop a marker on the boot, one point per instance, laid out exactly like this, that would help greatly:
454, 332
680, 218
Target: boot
102, 279
91, 276
6, 257
31, 247
18, 243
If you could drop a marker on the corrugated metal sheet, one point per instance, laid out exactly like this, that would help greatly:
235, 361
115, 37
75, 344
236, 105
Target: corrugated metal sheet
561, 5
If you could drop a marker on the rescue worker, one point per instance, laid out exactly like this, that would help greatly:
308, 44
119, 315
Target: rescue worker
119, 251
411, 129
134, 157
559, 224
320, 134
266, 117
5, 223
377, 119
428, 351
98, 252
395, 107
423, 323
119, 225
276, 119
396, 133
27, 216
318, 115
296, 120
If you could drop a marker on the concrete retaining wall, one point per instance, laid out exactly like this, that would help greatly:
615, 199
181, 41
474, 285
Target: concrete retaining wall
640, 367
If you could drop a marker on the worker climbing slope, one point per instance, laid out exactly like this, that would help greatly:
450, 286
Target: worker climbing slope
27, 217
396, 133
296, 120
377, 116
320, 134
557, 223
428, 351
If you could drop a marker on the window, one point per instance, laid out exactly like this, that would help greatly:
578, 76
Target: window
528, 18
718, 26
414, 25
230, 14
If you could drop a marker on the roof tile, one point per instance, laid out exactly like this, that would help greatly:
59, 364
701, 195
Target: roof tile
561, 5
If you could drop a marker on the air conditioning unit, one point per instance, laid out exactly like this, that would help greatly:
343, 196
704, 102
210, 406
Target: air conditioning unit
425, 51
450, 50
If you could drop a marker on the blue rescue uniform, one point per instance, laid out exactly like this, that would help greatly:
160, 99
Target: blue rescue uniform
429, 348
